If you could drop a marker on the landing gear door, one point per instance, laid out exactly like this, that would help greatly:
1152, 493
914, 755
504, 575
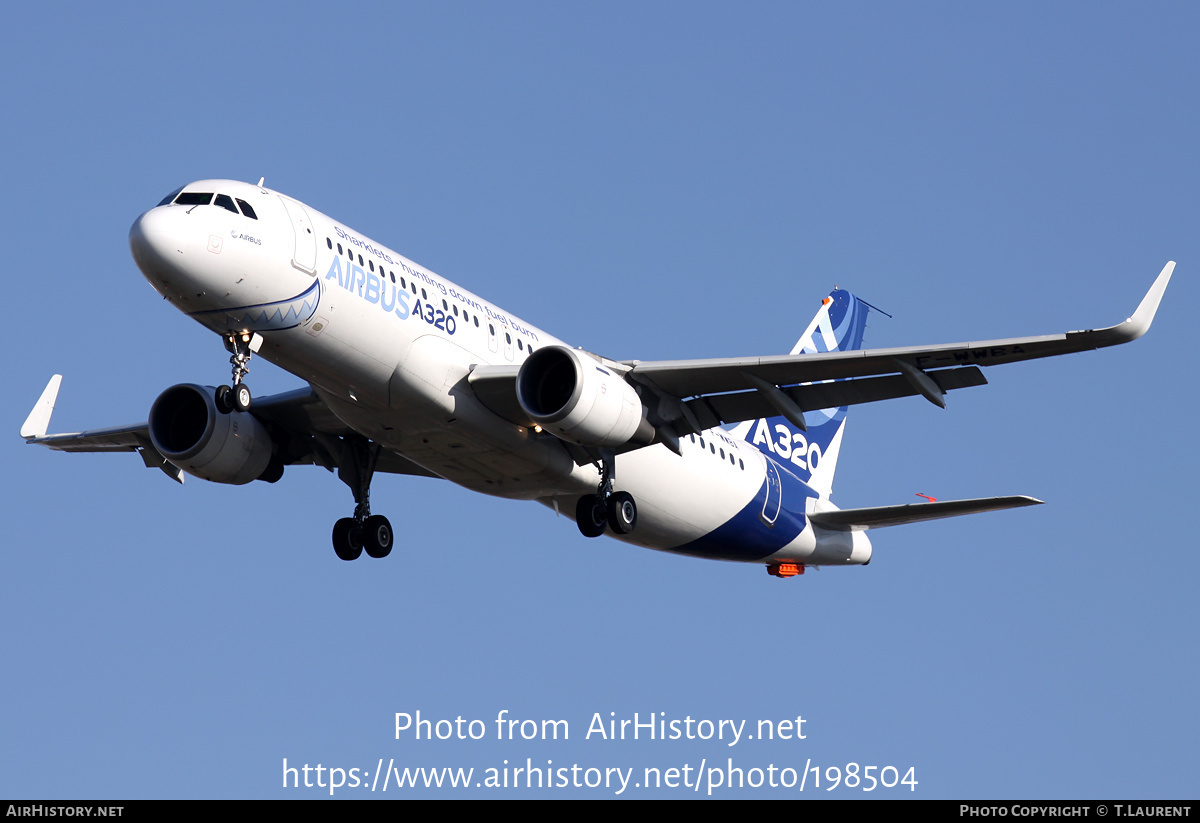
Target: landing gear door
774, 498
305, 257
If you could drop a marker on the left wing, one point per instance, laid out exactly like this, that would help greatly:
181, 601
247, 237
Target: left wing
304, 431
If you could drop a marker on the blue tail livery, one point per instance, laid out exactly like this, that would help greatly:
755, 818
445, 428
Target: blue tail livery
812, 453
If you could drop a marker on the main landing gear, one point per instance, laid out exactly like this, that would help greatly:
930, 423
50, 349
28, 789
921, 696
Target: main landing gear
351, 538
238, 397
606, 508
363, 531
351, 535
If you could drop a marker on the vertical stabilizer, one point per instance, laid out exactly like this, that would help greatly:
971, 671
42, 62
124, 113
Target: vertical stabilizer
812, 455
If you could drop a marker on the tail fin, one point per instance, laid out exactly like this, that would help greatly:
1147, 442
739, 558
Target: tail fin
812, 455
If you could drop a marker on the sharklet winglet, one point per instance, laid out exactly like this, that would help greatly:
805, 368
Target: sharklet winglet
38, 421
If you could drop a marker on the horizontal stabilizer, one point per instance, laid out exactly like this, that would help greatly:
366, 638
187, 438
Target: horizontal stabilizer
853, 520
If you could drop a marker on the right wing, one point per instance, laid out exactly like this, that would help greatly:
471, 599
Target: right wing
689, 396
730, 390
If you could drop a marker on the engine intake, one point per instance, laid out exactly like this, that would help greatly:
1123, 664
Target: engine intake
576, 397
190, 433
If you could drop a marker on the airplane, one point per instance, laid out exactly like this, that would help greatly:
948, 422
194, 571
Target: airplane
408, 373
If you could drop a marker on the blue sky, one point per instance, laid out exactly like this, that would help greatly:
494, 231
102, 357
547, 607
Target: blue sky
647, 181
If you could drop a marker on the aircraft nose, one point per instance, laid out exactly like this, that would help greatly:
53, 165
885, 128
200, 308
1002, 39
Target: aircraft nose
158, 242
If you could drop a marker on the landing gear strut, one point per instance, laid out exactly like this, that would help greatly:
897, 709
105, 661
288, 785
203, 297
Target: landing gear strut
238, 397
606, 508
363, 531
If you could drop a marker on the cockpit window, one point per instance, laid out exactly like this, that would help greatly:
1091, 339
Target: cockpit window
204, 198
225, 202
170, 197
194, 198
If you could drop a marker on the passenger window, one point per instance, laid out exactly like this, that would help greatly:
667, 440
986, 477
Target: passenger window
246, 210
226, 202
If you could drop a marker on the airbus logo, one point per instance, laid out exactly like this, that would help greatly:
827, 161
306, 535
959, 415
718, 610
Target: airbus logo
788, 445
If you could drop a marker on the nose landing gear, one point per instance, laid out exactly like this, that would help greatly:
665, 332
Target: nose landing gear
238, 397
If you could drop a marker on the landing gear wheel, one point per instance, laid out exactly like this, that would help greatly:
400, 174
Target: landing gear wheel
241, 397
622, 512
377, 536
347, 539
224, 399
590, 515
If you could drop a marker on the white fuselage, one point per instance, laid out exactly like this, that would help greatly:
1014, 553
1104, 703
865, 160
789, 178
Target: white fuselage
388, 346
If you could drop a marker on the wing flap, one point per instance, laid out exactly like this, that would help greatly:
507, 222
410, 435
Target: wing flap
876, 517
750, 405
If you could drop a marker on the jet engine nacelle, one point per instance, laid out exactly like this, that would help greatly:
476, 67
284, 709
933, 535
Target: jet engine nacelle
576, 397
189, 431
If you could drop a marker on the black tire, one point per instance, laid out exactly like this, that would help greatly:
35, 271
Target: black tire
622, 512
273, 472
377, 536
347, 539
590, 515
242, 397
224, 399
